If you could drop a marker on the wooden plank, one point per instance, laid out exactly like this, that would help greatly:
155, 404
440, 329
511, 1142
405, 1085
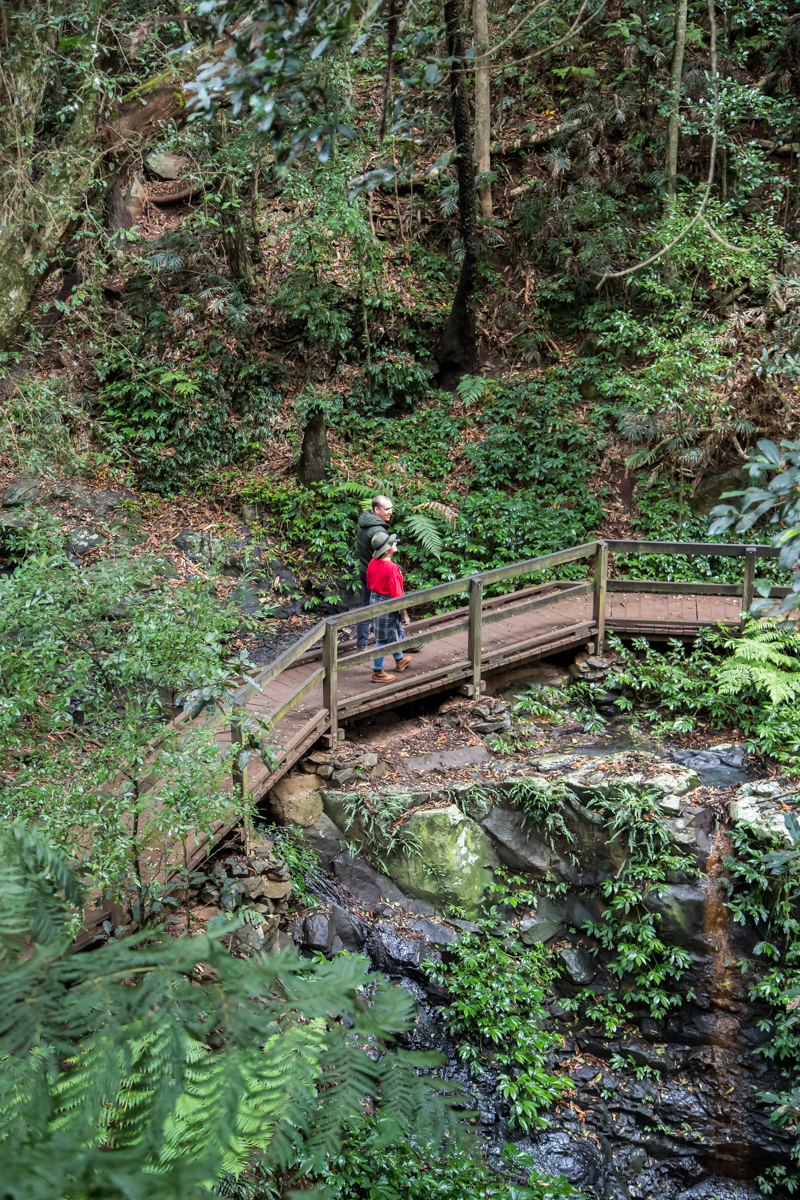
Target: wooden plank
299, 693
303, 740
600, 586
571, 593
330, 685
398, 687
434, 681
475, 631
673, 587
574, 639
706, 549
286, 659
542, 563
420, 639
530, 643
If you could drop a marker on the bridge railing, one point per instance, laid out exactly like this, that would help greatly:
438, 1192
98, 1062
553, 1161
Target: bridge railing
480, 612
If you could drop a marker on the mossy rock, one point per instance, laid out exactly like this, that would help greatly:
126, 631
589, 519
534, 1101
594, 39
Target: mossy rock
454, 864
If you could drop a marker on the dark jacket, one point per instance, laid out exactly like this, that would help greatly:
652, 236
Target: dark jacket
369, 523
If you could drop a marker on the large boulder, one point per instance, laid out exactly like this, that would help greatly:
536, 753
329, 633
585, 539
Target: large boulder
296, 800
454, 862
24, 491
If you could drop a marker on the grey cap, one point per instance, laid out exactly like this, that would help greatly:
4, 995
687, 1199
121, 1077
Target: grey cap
381, 542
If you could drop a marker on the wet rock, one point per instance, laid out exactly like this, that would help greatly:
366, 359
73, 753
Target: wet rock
399, 952
318, 931
579, 966
368, 886
296, 800
454, 862
766, 820
535, 930
444, 760
326, 838
578, 1159
348, 928
433, 931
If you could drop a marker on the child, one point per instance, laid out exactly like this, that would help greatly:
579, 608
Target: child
385, 581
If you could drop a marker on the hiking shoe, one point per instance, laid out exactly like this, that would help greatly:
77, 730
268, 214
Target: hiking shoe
381, 677
401, 664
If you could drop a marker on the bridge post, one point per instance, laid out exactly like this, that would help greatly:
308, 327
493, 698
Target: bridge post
600, 586
330, 661
239, 776
748, 582
475, 632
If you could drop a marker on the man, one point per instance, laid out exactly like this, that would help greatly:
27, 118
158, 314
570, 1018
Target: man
369, 523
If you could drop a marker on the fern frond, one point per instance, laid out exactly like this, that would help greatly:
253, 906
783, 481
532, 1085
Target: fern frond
427, 534
445, 511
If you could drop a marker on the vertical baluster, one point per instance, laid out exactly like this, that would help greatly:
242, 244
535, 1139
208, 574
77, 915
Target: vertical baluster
475, 633
330, 661
600, 586
748, 582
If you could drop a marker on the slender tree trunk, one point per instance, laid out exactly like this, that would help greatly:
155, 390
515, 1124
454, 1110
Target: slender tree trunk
675, 76
483, 100
458, 352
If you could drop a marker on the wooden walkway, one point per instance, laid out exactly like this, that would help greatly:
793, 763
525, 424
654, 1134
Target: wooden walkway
320, 684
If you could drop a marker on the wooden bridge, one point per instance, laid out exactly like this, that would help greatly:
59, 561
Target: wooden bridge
320, 684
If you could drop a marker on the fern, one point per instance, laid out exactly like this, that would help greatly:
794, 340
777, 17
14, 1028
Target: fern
424, 529
471, 388
152, 1067
445, 511
766, 658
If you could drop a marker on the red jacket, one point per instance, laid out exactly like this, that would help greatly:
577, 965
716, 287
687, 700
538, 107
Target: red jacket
385, 577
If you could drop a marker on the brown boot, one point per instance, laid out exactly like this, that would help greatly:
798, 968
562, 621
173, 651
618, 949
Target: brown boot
381, 677
402, 663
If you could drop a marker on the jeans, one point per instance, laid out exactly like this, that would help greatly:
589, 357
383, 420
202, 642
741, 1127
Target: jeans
362, 628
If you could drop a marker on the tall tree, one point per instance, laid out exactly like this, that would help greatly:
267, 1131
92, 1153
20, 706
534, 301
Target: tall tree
675, 76
458, 351
483, 100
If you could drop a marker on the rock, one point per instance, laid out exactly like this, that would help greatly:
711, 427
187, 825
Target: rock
276, 889
578, 1159
309, 767
670, 804
495, 726
443, 760
433, 932
24, 491
454, 863
248, 939
765, 820
17, 519
198, 547
167, 165
83, 539
326, 838
533, 930
368, 760
296, 800
74, 493
682, 909
318, 931
399, 952
598, 664
318, 757
350, 930
338, 778
366, 884
379, 770
579, 965
520, 849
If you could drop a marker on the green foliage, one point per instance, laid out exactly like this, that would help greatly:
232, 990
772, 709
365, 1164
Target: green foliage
420, 1171
779, 467
766, 658
648, 969
152, 1066
377, 823
174, 423
496, 1014
92, 662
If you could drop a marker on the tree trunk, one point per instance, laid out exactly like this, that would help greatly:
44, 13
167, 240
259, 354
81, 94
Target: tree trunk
458, 352
675, 77
483, 100
315, 455
231, 217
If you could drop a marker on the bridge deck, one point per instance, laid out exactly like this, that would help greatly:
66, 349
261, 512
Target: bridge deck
516, 639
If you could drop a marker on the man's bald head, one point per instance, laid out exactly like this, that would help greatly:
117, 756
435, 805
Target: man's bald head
382, 507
